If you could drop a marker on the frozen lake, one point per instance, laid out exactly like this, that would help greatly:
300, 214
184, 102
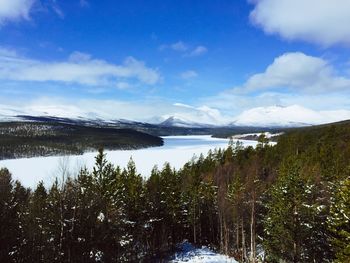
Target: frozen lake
177, 150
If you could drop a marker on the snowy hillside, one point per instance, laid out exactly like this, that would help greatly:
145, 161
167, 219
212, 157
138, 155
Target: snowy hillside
272, 116
190, 254
291, 116
181, 122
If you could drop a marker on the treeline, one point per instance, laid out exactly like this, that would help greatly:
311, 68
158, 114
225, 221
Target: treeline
283, 203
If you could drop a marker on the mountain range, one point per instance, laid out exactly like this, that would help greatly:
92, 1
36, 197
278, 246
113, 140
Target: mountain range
272, 116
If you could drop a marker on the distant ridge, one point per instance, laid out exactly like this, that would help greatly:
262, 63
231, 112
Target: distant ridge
290, 116
269, 117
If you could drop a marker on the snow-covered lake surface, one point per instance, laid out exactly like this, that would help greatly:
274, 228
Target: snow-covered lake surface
177, 150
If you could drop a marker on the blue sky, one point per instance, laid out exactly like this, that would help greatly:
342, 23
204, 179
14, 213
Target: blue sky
205, 60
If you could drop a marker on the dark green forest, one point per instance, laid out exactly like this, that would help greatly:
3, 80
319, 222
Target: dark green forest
30, 139
284, 203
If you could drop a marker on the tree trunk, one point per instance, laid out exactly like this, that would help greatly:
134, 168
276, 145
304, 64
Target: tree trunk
244, 252
194, 225
226, 236
221, 233
237, 234
252, 232
61, 252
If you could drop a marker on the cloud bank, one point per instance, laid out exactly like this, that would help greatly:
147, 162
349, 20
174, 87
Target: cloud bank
298, 72
325, 22
15, 10
291, 79
79, 68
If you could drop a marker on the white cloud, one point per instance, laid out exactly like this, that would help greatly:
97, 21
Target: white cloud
291, 79
189, 74
123, 85
15, 9
183, 47
297, 71
231, 103
80, 68
178, 46
325, 22
178, 104
198, 51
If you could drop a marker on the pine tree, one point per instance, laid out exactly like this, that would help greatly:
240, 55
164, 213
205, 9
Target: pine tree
339, 221
291, 221
236, 197
21, 197
104, 183
7, 217
208, 212
56, 222
38, 229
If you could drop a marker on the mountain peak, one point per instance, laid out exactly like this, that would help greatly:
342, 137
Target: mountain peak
287, 116
175, 121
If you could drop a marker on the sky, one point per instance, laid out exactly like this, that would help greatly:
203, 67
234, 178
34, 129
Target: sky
206, 61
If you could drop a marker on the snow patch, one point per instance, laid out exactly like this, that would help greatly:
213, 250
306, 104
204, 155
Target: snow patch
188, 253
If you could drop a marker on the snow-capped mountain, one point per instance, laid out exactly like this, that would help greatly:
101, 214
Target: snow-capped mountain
291, 116
272, 116
181, 122
8, 114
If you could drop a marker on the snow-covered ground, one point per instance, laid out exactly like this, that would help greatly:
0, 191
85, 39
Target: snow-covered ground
245, 135
190, 254
177, 150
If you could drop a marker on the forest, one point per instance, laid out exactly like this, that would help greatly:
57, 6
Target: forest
48, 138
284, 203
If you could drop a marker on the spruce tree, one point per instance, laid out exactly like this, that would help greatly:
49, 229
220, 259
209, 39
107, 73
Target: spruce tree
38, 228
291, 221
339, 221
7, 217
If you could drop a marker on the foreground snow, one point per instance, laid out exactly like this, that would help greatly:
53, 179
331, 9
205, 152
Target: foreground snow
190, 254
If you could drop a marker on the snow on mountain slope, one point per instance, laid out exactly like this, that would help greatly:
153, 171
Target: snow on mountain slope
273, 116
180, 122
9, 114
291, 116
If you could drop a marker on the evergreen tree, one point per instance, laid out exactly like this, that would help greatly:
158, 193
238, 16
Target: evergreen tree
104, 181
38, 228
290, 222
21, 197
339, 221
7, 217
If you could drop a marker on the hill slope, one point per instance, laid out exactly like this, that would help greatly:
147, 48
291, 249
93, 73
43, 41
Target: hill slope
29, 139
